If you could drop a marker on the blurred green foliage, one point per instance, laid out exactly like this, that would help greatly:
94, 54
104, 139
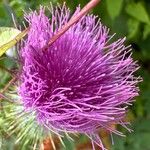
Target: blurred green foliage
130, 18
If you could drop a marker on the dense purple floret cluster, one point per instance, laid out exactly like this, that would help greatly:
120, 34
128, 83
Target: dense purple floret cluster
83, 81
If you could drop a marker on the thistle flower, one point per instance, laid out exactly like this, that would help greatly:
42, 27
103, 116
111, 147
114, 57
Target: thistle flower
80, 83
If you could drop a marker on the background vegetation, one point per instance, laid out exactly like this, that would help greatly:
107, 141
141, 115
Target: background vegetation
130, 18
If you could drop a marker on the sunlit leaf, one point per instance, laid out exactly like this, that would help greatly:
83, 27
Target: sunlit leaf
7, 34
9, 37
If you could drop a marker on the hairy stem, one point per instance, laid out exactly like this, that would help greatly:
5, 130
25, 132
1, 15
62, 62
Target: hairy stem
7, 70
8, 84
73, 20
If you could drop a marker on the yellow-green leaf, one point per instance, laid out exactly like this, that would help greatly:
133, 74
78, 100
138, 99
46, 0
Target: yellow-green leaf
9, 37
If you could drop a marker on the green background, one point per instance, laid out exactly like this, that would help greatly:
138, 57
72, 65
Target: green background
130, 18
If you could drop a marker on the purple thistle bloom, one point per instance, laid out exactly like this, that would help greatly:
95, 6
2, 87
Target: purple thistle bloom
82, 82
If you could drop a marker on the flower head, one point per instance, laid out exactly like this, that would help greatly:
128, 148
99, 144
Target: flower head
80, 83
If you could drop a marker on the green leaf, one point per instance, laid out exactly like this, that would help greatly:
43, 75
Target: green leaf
139, 141
138, 11
9, 37
146, 32
133, 28
114, 7
142, 125
119, 143
70, 145
145, 45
